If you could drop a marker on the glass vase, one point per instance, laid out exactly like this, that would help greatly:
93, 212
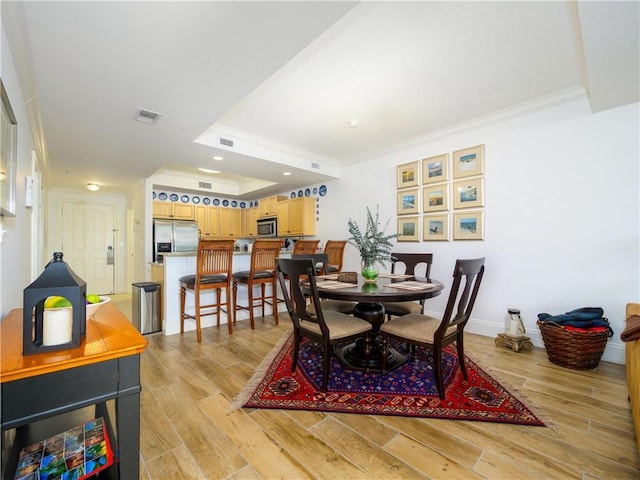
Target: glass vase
369, 270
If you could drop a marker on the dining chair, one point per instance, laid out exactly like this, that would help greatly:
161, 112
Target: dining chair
434, 334
320, 261
411, 261
261, 273
326, 327
213, 272
335, 251
304, 247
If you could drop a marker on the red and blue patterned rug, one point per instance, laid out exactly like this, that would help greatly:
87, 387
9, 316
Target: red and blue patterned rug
409, 390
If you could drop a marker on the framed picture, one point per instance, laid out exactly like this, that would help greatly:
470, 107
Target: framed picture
408, 201
435, 227
408, 175
435, 169
435, 198
468, 225
8, 157
468, 193
468, 162
408, 229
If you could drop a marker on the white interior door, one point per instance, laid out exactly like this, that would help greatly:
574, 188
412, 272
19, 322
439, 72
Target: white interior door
88, 243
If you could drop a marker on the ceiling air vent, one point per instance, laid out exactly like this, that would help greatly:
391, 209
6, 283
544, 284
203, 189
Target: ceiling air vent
147, 116
226, 142
206, 185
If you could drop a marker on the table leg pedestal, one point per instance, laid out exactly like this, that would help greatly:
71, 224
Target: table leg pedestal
353, 356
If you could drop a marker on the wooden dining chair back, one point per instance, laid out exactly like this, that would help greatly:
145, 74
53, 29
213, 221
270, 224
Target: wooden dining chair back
327, 328
411, 262
305, 247
213, 272
434, 334
261, 273
335, 251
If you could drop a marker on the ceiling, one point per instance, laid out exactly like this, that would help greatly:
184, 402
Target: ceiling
282, 80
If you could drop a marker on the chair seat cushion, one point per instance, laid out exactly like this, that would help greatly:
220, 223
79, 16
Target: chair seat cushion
416, 327
189, 281
260, 274
402, 308
341, 306
339, 324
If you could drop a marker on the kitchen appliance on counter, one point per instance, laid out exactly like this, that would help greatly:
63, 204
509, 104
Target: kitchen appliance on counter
268, 227
171, 236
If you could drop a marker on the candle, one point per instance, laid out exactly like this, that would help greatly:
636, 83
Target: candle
57, 326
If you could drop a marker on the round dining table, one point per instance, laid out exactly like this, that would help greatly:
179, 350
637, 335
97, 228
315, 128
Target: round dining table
369, 298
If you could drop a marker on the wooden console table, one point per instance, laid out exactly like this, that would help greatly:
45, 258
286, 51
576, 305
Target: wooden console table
46, 386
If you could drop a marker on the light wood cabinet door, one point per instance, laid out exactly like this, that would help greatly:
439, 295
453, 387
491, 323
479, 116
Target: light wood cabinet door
174, 211
296, 217
250, 222
268, 207
230, 222
208, 220
284, 227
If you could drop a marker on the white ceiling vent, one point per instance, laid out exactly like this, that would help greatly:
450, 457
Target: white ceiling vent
226, 142
206, 185
147, 116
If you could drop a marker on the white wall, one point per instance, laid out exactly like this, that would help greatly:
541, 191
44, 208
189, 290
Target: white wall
562, 215
15, 258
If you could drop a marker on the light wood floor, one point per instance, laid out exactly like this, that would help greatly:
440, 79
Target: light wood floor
188, 432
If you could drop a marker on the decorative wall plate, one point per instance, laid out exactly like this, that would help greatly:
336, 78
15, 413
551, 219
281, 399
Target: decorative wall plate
299, 193
173, 197
322, 190
153, 195
234, 204
216, 202
162, 196
184, 198
195, 199
243, 205
206, 200
225, 203
307, 192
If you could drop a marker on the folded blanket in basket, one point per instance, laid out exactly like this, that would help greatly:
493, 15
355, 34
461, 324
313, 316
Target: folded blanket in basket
583, 318
632, 331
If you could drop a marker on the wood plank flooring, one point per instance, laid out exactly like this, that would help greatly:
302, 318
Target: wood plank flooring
187, 430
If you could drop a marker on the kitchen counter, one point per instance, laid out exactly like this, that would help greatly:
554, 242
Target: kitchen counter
177, 265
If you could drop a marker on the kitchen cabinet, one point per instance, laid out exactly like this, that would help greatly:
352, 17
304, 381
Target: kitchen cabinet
230, 222
268, 207
296, 217
208, 218
250, 222
174, 211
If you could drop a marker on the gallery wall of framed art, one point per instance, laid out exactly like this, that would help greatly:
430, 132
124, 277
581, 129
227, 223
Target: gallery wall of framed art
426, 193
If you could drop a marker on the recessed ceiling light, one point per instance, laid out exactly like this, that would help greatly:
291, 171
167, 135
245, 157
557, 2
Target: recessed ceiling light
286, 174
353, 123
218, 157
93, 187
208, 170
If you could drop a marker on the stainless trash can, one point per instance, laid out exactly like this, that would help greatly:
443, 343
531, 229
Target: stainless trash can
145, 302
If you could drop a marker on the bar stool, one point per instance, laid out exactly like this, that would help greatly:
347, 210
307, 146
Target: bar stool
213, 272
335, 251
262, 272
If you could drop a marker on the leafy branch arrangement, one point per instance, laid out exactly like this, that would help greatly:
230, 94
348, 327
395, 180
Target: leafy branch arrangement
374, 244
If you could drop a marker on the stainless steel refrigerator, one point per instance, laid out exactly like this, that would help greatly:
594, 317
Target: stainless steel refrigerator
174, 236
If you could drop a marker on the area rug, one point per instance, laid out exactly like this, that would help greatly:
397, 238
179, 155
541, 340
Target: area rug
410, 390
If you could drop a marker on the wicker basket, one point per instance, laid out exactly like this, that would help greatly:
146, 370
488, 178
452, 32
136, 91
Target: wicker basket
349, 277
570, 349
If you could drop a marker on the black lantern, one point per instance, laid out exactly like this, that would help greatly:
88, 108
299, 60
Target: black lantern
57, 328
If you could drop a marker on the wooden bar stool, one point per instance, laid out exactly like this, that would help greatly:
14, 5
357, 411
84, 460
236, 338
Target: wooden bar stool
335, 251
214, 261
262, 272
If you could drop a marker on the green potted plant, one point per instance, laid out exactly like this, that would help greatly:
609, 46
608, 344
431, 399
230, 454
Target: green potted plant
374, 246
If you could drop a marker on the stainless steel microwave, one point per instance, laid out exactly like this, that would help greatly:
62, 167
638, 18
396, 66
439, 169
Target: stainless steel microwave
268, 227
